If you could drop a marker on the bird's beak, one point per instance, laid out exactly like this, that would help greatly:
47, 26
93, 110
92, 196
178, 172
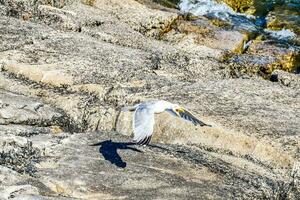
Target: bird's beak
178, 111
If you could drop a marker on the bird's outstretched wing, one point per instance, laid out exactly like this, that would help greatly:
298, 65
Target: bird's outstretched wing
143, 122
185, 114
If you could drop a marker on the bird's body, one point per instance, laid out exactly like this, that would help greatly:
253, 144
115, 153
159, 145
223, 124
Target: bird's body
156, 106
143, 119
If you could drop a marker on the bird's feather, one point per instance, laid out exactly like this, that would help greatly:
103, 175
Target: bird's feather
185, 114
143, 119
170, 111
143, 122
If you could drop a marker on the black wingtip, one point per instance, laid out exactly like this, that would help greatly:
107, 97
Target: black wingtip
144, 141
203, 124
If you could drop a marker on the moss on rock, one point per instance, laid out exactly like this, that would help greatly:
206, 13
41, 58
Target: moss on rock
283, 17
263, 57
168, 3
89, 2
286, 57
220, 23
241, 5
182, 25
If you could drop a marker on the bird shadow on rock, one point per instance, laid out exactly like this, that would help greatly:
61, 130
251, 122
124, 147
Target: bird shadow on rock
109, 151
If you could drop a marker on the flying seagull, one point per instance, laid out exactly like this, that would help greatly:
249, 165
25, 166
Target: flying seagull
143, 118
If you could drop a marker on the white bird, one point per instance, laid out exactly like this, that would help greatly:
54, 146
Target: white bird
143, 118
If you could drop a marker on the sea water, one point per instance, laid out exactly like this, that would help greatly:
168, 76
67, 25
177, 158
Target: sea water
287, 12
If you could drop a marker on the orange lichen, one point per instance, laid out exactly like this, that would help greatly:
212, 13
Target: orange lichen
89, 2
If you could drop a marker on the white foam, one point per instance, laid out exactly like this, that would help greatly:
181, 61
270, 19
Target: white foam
213, 9
204, 7
284, 34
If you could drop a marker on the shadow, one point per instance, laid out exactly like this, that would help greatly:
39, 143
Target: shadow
109, 149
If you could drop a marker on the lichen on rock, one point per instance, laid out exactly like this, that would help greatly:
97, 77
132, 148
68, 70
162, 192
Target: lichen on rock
243, 6
284, 17
18, 154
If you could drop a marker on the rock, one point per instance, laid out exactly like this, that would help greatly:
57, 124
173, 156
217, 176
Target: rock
19, 186
46, 74
287, 57
67, 67
285, 78
28, 131
17, 153
285, 17
234, 105
253, 7
13, 185
17, 109
202, 32
242, 6
9, 176
13, 191
148, 22
64, 19
263, 57
161, 4
168, 171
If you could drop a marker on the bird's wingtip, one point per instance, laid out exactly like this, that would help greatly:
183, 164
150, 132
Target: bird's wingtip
144, 141
205, 125
208, 125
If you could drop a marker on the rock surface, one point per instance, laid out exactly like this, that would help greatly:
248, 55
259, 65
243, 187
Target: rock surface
286, 79
66, 69
262, 57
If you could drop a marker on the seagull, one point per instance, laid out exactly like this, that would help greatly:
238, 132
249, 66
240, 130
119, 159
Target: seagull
143, 118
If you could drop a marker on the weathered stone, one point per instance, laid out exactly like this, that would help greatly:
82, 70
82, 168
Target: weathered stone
24, 130
284, 17
234, 105
263, 57
161, 4
17, 153
17, 109
62, 19
287, 57
286, 79
14, 185
203, 33
69, 66
163, 171
47, 74
241, 5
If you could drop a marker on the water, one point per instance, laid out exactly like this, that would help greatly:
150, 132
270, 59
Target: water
205, 7
264, 6
280, 17
284, 34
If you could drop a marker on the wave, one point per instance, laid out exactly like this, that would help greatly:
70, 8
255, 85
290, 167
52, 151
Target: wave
222, 11
205, 7
284, 34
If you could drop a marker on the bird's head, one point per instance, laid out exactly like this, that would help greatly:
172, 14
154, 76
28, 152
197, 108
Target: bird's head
177, 109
